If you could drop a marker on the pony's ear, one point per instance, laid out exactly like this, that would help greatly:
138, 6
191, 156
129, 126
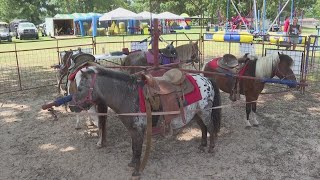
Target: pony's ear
171, 43
246, 55
196, 42
278, 53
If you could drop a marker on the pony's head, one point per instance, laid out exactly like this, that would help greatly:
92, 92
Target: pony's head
66, 61
170, 48
283, 69
189, 52
275, 65
83, 93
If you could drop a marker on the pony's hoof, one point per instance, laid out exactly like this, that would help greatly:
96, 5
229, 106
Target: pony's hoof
135, 177
201, 148
248, 127
77, 128
211, 151
129, 168
100, 145
255, 125
90, 123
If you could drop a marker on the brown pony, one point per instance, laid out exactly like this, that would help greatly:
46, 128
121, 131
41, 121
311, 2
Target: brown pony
264, 67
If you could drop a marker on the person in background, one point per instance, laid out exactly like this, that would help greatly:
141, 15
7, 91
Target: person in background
294, 31
286, 24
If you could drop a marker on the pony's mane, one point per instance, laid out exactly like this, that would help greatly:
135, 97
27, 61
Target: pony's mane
252, 57
266, 64
122, 76
185, 51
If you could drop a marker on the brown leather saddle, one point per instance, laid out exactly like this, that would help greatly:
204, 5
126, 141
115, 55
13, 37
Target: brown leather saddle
79, 60
170, 88
228, 62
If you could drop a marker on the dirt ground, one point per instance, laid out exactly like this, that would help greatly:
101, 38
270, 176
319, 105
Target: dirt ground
285, 146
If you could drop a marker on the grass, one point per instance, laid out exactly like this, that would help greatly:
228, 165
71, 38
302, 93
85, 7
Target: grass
34, 58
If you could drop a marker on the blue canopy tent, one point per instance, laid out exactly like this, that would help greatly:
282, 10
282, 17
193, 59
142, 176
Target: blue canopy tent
82, 17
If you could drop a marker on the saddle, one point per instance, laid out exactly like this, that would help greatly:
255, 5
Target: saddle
79, 60
170, 88
171, 81
168, 53
165, 56
228, 63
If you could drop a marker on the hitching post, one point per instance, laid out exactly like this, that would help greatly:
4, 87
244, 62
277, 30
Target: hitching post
155, 42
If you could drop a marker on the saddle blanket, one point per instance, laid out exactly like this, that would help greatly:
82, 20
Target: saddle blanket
73, 75
213, 64
190, 98
162, 59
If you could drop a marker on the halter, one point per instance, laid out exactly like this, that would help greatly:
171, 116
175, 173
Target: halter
284, 76
88, 98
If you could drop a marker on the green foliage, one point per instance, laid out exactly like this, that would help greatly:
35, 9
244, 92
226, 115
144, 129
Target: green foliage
36, 10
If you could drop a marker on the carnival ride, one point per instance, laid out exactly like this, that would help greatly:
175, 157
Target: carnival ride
256, 28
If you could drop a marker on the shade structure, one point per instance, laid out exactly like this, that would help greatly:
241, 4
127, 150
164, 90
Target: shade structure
185, 15
119, 14
64, 16
168, 15
93, 17
147, 15
85, 16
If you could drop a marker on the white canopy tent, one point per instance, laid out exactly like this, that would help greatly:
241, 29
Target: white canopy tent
119, 14
169, 15
147, 15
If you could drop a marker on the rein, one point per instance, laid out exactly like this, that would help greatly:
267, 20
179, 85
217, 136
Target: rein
283, 75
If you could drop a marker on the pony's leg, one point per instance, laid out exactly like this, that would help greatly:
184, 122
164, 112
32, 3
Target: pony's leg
78, 122
248, 110
137, 141
102, 125
205, 117
254, 115
204, 131
90, 117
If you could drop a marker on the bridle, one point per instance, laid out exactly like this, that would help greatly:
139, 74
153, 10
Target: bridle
284, 76
89, 97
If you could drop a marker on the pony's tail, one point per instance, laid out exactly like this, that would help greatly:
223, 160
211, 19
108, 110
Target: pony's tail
216, 113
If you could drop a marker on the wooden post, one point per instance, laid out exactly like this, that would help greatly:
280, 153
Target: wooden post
155, 42
18, 66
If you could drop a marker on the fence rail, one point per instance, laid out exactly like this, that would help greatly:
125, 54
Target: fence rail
23, 67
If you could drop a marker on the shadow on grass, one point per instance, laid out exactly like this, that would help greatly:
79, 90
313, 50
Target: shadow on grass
30, 77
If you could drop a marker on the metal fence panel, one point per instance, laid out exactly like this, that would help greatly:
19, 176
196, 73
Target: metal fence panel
24, 68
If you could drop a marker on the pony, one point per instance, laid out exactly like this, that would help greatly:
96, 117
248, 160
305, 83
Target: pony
120, 91
184, 54
260, 67
63, 71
